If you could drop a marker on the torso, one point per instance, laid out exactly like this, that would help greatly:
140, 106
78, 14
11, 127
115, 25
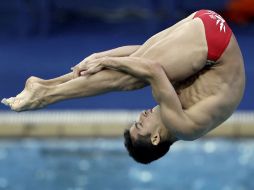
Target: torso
228, 70
184, 49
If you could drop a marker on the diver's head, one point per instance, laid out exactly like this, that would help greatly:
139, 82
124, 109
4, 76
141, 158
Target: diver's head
148, 139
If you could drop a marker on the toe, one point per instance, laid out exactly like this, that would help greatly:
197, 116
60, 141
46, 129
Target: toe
5, 102
16, 105
8, 101
11, 100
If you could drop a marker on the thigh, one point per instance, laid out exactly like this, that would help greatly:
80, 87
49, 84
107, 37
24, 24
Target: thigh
183, 52
161, 35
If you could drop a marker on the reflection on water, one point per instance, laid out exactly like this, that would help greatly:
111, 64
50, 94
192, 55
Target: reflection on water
103, 164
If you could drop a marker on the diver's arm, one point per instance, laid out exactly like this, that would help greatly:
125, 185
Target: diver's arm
135, 66
186, 124
116, 52
172, 114
191, 123
151, 72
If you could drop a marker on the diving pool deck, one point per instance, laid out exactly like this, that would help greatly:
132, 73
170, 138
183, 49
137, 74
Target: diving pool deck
101, 123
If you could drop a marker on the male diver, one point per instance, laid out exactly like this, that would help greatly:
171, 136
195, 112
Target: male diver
195, 69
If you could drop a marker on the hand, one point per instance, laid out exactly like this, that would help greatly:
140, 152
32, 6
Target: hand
78, 68
92, 67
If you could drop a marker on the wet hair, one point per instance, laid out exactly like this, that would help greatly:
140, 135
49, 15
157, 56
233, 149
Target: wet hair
142, 150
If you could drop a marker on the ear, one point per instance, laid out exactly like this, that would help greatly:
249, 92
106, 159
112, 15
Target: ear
155, 138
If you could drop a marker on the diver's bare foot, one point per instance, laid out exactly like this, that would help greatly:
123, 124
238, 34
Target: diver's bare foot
52, 82
32, 97
43, 82
34, 79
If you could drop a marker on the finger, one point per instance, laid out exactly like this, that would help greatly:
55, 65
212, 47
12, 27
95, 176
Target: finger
83, 73
91, 57
76, 72
86, 59
86, 72
93, 70
93, 61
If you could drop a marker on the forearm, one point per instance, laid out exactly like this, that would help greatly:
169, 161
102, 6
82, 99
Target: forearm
150, 72
163, 91
120, 52
171, 111
137, 67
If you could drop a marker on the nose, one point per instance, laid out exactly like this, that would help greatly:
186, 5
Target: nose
146, 112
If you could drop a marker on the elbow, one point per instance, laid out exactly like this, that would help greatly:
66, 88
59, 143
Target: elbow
154, 69
155, 66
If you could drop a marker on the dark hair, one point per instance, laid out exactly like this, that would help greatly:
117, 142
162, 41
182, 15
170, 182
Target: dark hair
142, 150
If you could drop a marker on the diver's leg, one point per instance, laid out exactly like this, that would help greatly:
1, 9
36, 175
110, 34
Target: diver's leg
160, 36
54, 81
36, 95
135, 51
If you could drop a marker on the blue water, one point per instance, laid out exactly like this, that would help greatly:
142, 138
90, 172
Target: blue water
103, 164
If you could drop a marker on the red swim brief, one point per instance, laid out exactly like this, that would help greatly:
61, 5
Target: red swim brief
218, 33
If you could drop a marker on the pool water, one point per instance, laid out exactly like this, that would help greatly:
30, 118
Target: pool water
103, 164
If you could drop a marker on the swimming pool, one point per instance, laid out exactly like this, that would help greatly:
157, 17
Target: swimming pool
103, 164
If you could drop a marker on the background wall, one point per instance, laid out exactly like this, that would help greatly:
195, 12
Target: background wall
46, 38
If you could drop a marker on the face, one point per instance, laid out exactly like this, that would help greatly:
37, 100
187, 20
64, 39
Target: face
148, 121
